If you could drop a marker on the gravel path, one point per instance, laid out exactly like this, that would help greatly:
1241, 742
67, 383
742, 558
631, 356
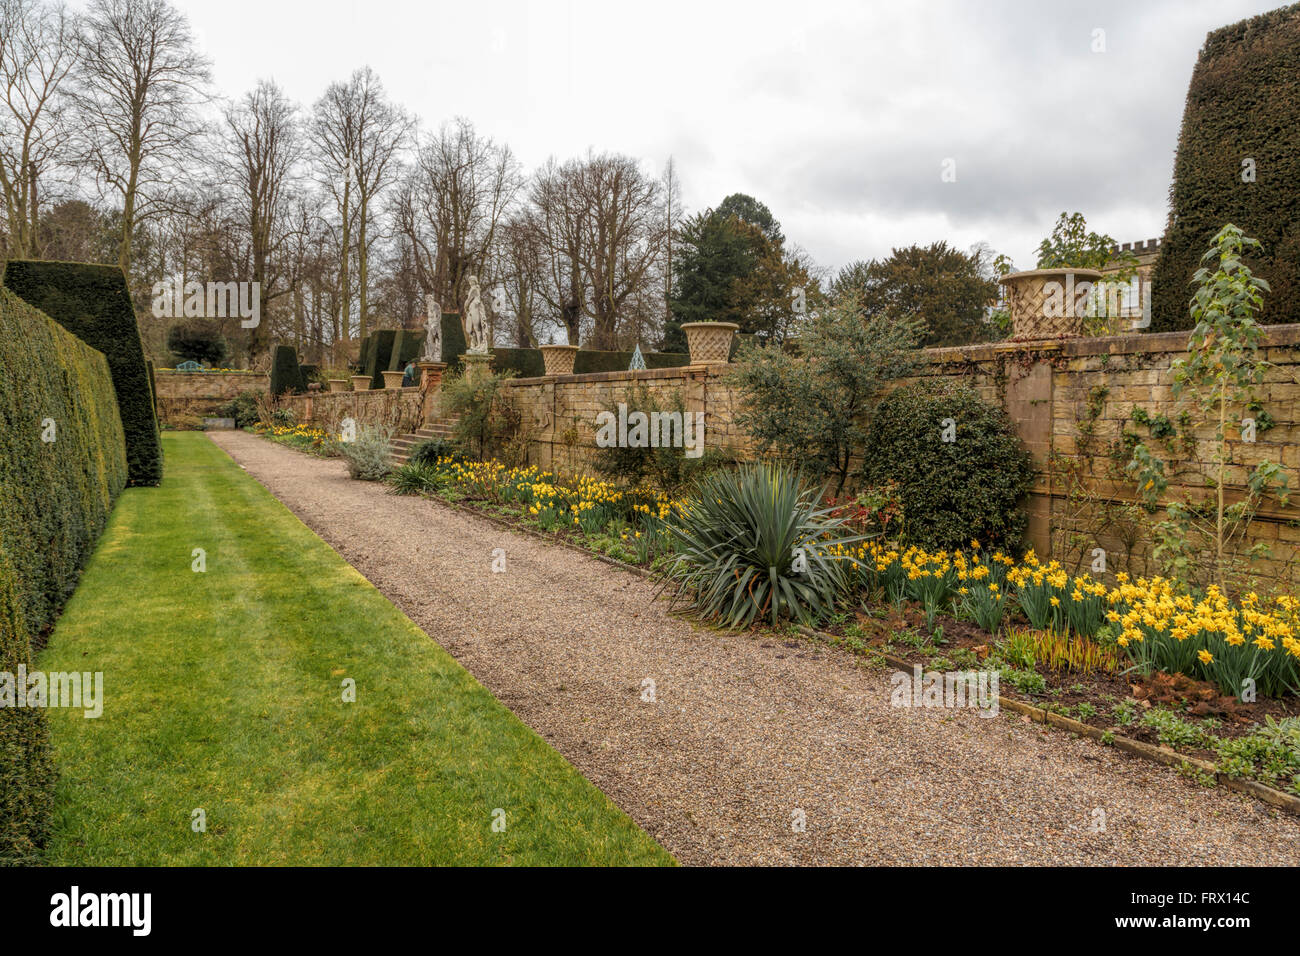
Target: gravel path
745, 731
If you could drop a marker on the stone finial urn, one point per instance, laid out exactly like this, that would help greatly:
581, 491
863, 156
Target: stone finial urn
338, 384
393, 379
559, 359
360, 383
1048, 303
709, 342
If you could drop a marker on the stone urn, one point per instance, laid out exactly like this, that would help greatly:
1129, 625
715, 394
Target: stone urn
559, 359
1048, 303
393, 379
709, 342
360, 383
338, 384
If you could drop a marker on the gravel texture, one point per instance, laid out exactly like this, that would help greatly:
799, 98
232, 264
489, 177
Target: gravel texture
746, 730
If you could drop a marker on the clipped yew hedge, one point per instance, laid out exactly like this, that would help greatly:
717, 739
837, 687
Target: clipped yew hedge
92, 302
55, 496
1243, 104
286, 373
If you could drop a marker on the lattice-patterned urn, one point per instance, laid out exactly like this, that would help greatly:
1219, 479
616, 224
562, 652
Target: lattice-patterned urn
559, 359
709, 342
1048, 303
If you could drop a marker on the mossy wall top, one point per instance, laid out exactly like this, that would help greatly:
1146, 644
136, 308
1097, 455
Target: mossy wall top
92, 302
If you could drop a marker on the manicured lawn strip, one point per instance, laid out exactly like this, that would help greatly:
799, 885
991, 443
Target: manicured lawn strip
222, 692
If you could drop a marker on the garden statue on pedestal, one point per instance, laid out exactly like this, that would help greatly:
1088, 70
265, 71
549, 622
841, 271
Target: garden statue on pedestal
432, 330
475, 319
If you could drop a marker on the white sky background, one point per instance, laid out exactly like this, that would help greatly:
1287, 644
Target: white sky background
837, 115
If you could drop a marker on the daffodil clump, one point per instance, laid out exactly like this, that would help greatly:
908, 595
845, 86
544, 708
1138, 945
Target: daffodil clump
582, 503
1250, 645
1253, 645
304, 437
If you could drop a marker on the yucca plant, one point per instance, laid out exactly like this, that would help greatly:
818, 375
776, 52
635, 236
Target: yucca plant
412, 479
754, 542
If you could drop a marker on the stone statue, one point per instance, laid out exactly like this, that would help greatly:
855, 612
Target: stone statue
475, 319
432, 330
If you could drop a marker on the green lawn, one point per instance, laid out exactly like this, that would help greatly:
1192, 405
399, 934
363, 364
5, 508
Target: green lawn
223, 692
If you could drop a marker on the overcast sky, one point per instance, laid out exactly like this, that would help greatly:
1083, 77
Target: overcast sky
839, 116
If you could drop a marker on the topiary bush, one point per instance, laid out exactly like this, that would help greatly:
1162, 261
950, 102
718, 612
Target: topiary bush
951, 491
1238, 161
92, 302
286, 375
62, 465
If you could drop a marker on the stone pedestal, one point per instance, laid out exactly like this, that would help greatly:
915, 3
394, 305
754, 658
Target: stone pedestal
430, 384
476, 365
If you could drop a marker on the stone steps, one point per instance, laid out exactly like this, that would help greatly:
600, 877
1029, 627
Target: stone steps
403, 445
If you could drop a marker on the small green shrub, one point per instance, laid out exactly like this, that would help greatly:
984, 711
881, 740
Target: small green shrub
951, 490
369, 457
1270, 754
754, 543
429, 451
1173, 731
242, 408
667, 468
487, 420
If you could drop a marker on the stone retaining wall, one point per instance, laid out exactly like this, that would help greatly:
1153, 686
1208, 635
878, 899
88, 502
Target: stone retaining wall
184, 396
399, 409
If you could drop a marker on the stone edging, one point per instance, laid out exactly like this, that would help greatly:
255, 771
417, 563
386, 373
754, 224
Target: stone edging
1156, 754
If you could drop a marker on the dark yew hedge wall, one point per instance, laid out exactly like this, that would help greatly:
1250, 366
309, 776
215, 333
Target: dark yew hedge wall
1243, 103
55, 497
92, 302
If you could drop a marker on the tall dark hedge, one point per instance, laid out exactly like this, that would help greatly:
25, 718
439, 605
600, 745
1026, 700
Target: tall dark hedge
528, 363
92, 302
954, 491
1243, 103
55, 497
286, 374
389, 350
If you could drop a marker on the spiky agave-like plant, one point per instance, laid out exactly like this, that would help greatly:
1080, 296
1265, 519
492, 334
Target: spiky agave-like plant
755, 542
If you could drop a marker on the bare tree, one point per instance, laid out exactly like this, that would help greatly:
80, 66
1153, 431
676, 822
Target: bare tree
268, 146
451, 205
139, 81
37, 51
672, 216
519, 268
358, 136
603, 227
